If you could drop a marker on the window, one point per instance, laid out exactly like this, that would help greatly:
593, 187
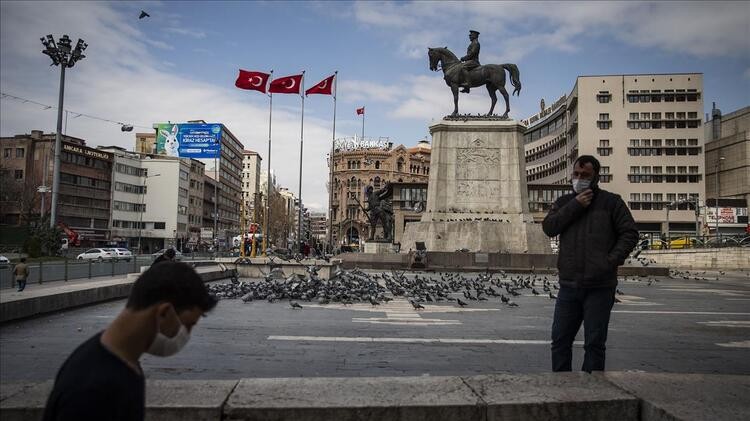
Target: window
633, 96
693, 142
20, 152
7, 152
183, 192
604, 175
377, 165
183, 175
634, 143
18, 174
603, 97
129, 188
655, 116
645, 116
633, 116
693, 169
680, 116
160, 225
693, 115
669, 116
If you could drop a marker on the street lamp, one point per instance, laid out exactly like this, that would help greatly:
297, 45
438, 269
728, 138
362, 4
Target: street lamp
142, 210
716, 215
62, 56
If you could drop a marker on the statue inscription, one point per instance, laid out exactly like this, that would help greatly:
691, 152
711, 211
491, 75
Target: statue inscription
477, 164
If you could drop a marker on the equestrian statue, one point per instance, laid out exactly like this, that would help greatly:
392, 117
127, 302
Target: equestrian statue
469, 73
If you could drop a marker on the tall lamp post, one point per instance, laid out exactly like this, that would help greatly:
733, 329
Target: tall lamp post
716, 216
62, 56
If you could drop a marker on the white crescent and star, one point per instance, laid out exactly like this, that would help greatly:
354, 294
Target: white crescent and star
260, 80
291, 85
323, 84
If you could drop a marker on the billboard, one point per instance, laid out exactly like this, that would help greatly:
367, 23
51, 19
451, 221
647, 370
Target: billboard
189, 140
726, 215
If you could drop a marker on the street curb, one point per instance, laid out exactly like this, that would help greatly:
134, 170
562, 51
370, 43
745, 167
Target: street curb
549, 396
81, 295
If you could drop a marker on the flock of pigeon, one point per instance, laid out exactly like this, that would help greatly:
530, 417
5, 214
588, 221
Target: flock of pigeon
357, 286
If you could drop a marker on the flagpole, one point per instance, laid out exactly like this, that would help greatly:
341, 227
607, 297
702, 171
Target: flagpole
330, 165
301, 143
267, 216
363, 124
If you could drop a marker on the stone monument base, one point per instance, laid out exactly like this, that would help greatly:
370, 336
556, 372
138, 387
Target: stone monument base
379, 247
477, 236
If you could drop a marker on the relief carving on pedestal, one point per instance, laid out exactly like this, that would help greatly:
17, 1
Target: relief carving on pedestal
477, 164
474, 189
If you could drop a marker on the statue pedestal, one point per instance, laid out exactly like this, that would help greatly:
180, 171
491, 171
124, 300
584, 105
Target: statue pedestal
477, 197
379, 247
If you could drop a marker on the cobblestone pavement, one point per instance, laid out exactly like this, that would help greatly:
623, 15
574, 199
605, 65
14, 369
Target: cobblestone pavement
671, 325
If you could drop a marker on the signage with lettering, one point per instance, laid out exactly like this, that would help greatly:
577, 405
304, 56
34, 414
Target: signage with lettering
545, 112
726, 215
82, 150
189, 140
354, 143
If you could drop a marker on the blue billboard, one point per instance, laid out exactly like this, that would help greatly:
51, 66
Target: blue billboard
189, 140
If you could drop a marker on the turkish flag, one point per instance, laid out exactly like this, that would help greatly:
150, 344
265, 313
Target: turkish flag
361, 111
286, 85
325, 87
255, 81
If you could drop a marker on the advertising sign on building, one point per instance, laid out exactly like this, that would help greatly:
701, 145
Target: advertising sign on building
207, 233
189, 140
726, 215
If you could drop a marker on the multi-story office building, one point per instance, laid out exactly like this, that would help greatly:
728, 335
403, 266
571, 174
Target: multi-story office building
210, 190
728, 171
251, 196
359, 163
195, 202
129, 181
319, 226
166, 203
645, 130
84, 201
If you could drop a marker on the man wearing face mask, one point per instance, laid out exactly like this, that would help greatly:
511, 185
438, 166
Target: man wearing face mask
102, 379
597, 233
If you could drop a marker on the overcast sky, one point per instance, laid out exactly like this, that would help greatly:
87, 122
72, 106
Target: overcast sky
180, 64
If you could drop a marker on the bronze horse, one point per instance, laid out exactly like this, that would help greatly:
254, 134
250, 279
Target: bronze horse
490, 75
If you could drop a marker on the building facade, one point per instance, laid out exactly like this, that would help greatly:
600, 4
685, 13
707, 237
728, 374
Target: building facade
645, 130
129, 180
251, 197
358, 163
728, 171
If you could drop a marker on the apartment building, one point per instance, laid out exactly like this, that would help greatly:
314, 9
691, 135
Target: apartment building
251, 163
646, 131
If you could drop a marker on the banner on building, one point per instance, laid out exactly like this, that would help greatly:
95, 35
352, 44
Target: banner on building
188, 140
207, 233
725, 215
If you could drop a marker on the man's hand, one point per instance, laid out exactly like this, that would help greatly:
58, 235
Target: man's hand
584, 197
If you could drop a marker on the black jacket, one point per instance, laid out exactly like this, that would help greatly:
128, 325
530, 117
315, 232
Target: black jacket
594, 240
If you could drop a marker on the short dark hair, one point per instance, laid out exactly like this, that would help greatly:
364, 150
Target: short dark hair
169, 253
23, 259
173, 282
588, 159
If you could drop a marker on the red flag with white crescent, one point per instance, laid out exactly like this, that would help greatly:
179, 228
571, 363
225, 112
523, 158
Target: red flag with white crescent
361, 111
254, 81
286, 85
325, 87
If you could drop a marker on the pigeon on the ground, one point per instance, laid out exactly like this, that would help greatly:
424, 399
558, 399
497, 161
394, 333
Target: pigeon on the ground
295, 305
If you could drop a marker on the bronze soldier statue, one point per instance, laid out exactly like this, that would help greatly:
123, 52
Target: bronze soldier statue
470, 60
380, 209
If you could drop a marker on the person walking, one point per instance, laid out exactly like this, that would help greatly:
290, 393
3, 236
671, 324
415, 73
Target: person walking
597, 233
21, 274
103, 379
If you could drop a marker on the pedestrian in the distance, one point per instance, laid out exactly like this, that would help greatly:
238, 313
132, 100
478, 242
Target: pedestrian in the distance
167, 256
597, 233
103, 379
21, 273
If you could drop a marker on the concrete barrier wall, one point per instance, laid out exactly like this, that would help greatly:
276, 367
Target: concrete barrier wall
70, 296
548, 396
717, 258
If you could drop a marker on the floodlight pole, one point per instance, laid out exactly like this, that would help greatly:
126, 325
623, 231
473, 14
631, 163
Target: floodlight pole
58, 147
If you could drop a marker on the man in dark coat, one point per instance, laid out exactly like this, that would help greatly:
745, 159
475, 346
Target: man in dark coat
597, 233
471, 59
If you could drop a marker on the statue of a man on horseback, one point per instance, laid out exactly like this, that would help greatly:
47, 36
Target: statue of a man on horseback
468, 73
470, 60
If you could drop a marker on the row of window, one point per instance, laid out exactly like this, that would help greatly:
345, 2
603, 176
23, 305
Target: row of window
667, 116
669, 178
547, 128
8, 153
130, 170
84, 161
546, 149
116, 223
128, 206
655, 201
129, 188
82, 181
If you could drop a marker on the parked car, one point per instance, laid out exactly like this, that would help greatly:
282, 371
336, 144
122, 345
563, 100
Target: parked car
177, 254
4, 262
683, 243
121, 254
96, 254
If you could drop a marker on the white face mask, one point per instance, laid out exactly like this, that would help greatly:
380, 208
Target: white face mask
580, 185
164, 346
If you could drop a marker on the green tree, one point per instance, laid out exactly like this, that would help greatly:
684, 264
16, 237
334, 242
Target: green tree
49, 239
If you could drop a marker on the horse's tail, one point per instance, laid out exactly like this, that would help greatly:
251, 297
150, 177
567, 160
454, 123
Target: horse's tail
514, 77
